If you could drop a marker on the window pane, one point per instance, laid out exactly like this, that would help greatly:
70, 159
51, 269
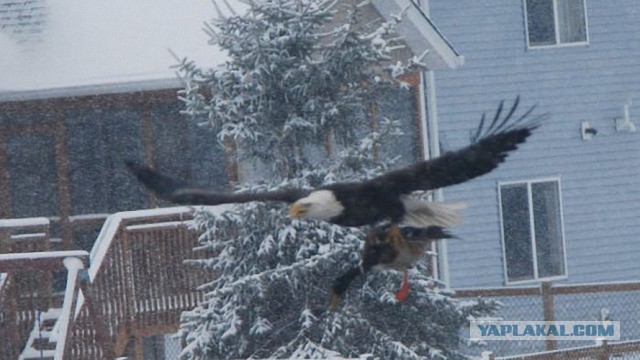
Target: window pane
207, 157
571, 21
87, 156
34, 176
517, 232
399, 104
540, 24
99, 141
185, 149
124, 142
548, 229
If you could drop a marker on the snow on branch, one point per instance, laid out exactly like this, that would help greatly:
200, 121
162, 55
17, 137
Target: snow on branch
295, 96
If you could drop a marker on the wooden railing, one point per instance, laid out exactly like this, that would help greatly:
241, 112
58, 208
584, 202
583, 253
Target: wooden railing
19, 320
24, 235
24, 291
137, 284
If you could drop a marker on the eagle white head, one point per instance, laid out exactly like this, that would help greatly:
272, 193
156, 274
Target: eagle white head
319, 205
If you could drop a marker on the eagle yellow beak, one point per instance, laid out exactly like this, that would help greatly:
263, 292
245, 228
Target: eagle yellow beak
298, 210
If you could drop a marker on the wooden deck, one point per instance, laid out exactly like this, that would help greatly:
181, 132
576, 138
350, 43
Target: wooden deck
135, 286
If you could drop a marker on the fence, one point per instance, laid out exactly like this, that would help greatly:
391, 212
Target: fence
561, 302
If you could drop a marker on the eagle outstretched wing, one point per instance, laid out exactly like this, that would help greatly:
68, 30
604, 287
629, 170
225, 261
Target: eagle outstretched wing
179, 192
490, 146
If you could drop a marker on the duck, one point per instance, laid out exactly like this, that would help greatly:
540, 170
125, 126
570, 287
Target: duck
378, 253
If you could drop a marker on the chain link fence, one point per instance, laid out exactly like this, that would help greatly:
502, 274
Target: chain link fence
551, 302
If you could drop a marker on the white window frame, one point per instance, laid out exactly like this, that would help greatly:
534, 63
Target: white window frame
556, 26
536, 278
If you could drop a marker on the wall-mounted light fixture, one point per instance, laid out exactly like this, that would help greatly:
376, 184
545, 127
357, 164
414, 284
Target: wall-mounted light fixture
587, 131
624, 123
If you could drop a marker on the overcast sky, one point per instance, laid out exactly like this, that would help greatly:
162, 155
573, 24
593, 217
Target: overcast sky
88, 42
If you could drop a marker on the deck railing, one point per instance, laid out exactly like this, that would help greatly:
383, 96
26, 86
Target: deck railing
21, 324
24, 291
137, 284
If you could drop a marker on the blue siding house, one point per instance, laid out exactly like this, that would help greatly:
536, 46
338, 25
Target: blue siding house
565, 207
578, 190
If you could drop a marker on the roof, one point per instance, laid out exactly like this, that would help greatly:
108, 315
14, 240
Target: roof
88, 47
127, 84
86, 43
420, 33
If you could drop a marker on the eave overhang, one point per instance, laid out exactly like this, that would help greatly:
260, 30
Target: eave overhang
420, 34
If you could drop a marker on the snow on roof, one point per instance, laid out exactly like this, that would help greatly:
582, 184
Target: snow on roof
100, 42
85, 46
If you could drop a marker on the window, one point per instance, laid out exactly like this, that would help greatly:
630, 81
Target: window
99, 139
34, 174
185, 149
401, 104
532, 235
556, 22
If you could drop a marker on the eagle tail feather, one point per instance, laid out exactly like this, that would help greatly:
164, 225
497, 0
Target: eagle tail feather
422, 213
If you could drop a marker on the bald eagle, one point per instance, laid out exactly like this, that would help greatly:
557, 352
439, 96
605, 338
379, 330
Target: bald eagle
383, 198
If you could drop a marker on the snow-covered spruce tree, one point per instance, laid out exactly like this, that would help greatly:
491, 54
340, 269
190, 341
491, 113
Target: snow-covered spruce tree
295, 80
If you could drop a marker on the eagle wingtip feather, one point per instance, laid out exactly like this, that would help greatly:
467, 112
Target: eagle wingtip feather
507, 124
162, 185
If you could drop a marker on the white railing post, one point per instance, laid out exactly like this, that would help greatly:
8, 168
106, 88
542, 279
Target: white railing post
62, 329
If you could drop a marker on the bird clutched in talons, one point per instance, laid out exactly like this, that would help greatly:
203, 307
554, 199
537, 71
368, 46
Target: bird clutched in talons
379, 253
